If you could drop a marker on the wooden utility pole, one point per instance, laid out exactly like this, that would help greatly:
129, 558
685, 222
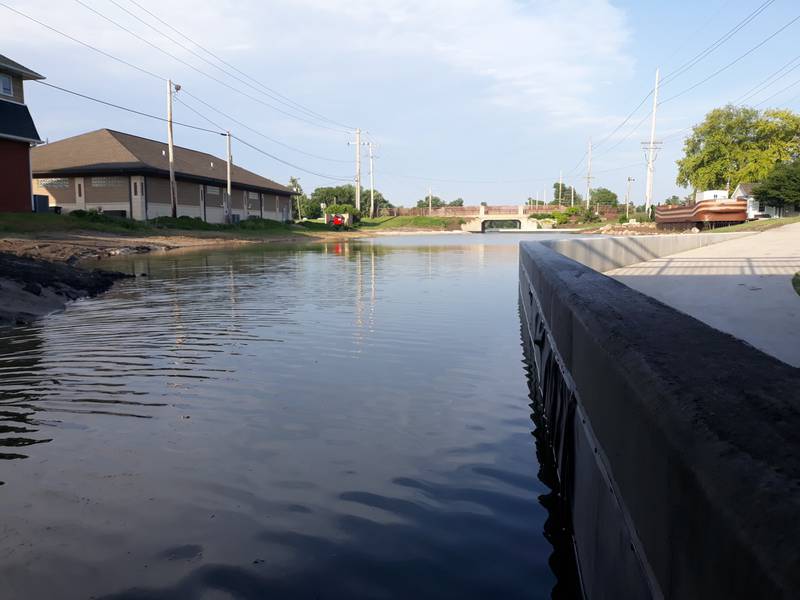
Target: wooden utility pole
371, 182
628, 196
226, 205
358, 171
173, 188
589, 176
430, 201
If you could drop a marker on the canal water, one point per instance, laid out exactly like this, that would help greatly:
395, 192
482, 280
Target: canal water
342, 420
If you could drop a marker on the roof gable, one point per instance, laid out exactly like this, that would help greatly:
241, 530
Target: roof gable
6, 64
95, 150
106, 150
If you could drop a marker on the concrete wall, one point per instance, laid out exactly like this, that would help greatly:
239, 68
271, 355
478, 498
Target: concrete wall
607, 253
677, 445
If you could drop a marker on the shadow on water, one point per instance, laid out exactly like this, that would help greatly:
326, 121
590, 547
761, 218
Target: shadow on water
558, 526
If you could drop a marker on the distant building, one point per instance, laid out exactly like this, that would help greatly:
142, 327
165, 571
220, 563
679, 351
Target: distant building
718, 195
710, 208
128, 175
744, 191
17, 135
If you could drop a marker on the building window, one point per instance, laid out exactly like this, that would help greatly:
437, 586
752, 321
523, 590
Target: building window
99, 182
5, 86
55, 183
212, 191
761, 207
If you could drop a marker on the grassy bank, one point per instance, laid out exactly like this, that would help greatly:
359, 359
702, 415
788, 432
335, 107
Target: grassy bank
48, 223
410, 223
760, 225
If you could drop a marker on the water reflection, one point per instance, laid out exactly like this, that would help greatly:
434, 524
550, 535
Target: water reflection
343, 420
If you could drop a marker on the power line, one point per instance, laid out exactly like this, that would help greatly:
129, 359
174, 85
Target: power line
719, 42
261, 134
768, 98
201, 72
733, 62
222, 70
98, 50
125, 108
227, 64
280, 160
768, 81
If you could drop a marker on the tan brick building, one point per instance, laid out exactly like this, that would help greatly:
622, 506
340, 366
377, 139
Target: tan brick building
128, 175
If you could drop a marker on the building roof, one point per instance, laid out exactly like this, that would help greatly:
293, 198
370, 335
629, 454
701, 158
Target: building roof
107, 151
745, 188
16, 123
6, 64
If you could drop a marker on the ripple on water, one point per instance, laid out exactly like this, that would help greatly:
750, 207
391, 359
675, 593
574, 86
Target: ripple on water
348, 420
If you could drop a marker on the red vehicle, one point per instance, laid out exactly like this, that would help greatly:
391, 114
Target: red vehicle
338, 222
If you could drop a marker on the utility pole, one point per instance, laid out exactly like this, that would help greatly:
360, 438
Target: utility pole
371, 182
651, 149
628, 196
173, 188
430, 201
572, 194
226, 204
358, 170
560, 184
589, 176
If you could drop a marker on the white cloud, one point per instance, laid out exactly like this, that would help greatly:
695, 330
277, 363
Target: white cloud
533, 55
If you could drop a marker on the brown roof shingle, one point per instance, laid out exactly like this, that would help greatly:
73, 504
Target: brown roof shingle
6, 64
106, 151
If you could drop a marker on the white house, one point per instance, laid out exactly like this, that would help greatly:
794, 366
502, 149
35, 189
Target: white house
744, 191
718, 195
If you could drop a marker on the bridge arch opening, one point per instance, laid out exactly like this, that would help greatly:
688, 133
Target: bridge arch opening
498, 225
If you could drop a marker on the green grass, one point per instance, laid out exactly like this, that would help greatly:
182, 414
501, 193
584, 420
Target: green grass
30, 223
796, 282
430, 223
760, 225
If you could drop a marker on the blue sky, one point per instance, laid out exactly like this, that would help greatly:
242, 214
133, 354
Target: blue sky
483, 99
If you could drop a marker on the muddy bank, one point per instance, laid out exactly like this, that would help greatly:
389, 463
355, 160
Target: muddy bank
31, 288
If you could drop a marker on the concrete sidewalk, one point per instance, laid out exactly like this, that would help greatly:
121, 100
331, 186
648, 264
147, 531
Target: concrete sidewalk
742, 287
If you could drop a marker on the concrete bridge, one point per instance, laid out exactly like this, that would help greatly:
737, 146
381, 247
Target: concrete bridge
520, 215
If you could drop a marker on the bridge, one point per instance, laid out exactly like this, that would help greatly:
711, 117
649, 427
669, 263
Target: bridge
487, 215
481, 217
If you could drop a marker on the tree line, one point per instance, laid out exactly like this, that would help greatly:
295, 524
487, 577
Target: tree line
739, 144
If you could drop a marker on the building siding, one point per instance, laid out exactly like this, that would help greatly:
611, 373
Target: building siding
15, 176
17, 89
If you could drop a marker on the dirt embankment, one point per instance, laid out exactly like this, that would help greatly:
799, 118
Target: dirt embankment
31, 288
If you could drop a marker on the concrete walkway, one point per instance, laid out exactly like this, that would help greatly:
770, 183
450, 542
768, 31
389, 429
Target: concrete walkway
743, 287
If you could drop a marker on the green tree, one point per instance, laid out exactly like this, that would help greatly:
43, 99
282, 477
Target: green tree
566, 194
604, 196
456, 202
435, 202
781, 187
346, 194
736, 144
308, 208
673, 200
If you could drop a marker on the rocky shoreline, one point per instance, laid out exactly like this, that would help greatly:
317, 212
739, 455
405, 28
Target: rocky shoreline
31, 288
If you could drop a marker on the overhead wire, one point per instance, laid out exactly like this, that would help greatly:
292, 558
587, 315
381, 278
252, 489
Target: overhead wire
203, 73
227, 72
733, 62
125, 108
234, 68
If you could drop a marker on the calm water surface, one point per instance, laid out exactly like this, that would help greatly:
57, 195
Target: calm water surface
347, 420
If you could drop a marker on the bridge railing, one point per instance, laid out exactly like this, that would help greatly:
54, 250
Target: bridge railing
470, 211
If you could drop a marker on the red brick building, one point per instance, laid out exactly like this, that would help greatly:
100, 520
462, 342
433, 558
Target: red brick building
17, 135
